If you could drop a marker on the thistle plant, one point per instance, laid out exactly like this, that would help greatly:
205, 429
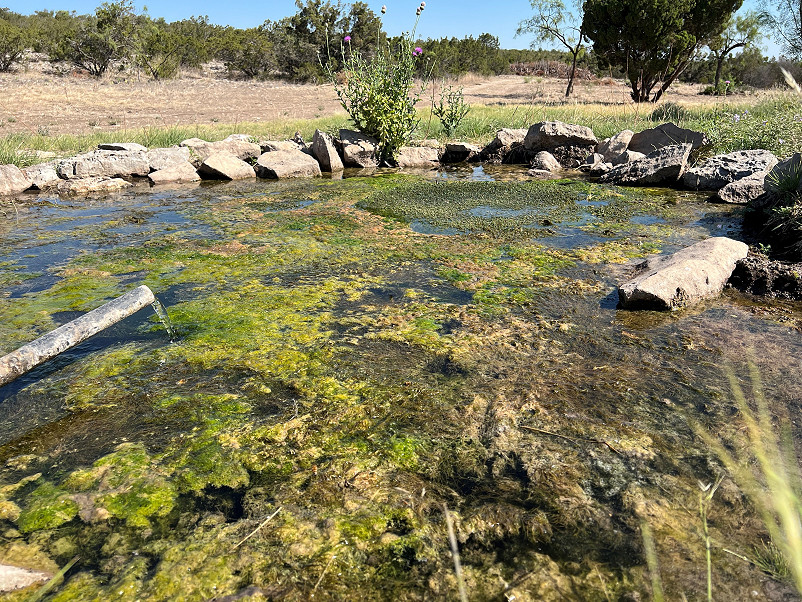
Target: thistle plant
451, 109
377, 92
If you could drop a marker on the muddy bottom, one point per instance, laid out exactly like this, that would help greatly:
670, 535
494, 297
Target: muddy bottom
356, 356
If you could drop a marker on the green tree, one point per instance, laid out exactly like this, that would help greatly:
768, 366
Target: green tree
249, 51
739, 32
785, 18
553, 21
101, 38
13, 43
653, 41
162, 48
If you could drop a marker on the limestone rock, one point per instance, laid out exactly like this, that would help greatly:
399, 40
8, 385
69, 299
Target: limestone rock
759, 275
626, 157
269, 146
325, 152
786, 176
742, 191
164, 158
111, 164
358, 149
545, 160
720, 170
282, 164
457, 152
506, 137
222, 166
96, 184
42, 176
175, 174
121, 146
542, 174
663, 166
200, 150
417, 156
611, 148
13, 180
14, 578
666, 134
672, 281
548, 135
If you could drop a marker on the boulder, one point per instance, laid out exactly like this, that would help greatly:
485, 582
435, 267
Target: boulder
457, 152
121, 146
611, 148
13, 180
672, 281
666, 134
506, 147
545, 160
282, 164
164, 158
542, 174
200, 150
786, 176
759, 275
359, 150
548, 135
626, 157
222, 166
325, 152
743, 191
720, 170
106, 163
97, 184
506, 137
15, 578
269, 146
42, 176
175, 174
417, 156
663, 166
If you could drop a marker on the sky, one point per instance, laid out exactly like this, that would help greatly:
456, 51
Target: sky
441, 18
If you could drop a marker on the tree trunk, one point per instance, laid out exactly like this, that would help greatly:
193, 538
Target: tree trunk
719, 64
48, 346
571, 75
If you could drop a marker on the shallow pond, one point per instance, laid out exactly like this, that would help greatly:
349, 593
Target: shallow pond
355, 356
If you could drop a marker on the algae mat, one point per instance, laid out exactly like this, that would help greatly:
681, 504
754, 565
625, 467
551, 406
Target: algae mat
355, 356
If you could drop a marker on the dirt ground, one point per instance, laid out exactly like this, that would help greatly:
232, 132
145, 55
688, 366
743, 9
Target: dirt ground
36, 102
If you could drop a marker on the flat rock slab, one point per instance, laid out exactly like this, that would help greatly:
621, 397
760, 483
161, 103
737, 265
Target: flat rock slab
673, 281
613, 147
417, 156
175, 174
200, 150
457, 152
222, 166
718, 171
106, 163
121, 146
663, 166
359, 150
163, 158
42, 176
325, 152
666, 134
281, 164
13, 578
13, 180
83, 186
548, 135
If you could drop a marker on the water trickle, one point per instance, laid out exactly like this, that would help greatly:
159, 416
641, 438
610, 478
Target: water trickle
161, 311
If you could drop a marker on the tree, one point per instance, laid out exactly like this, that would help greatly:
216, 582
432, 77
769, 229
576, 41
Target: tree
13, 43
785, 18
739, 32
552, 21
653, 41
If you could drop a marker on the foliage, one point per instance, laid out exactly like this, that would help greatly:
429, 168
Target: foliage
785, 18
377, 92
451, 109
13, 42
553, 22
739, 32
161, 48
653, 40
248, 51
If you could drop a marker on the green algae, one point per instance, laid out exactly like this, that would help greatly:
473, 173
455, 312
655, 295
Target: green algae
358, 375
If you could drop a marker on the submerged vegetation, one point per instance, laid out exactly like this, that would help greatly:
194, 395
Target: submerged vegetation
354, 355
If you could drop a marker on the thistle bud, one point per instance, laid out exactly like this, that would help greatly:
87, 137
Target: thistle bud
384, 9
417, 12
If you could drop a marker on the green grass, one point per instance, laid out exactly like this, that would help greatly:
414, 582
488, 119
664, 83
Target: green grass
774, 125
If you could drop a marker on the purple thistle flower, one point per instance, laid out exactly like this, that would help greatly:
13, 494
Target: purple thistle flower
418, 51
347, 38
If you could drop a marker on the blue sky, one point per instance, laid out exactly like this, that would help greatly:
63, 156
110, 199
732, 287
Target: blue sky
441, 18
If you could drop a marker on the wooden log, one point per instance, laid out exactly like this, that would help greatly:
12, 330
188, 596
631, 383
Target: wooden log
48, 346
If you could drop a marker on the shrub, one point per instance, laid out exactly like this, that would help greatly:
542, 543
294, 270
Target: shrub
451, 109
377, 92
13, 42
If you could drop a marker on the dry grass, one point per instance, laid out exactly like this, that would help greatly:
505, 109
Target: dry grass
39, 103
